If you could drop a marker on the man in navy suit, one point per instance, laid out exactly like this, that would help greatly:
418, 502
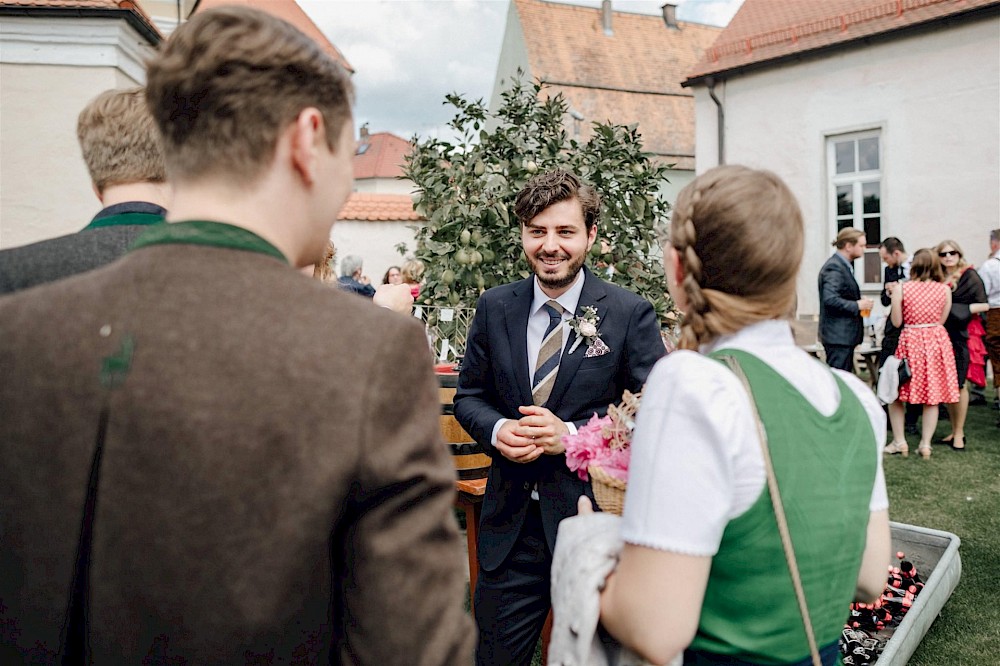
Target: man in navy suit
840, 301
528, 379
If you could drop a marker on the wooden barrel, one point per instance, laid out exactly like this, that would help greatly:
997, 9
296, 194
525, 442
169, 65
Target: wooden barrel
470, 461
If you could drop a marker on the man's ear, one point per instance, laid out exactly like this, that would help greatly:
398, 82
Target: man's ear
307, 137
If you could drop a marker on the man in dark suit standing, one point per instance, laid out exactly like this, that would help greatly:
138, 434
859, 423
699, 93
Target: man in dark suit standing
840, 301
529, 377
122, 151
199, 465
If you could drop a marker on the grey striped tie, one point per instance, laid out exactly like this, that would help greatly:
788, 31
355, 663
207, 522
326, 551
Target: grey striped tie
548, 355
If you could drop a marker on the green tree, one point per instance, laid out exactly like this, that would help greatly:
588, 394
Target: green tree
466, 191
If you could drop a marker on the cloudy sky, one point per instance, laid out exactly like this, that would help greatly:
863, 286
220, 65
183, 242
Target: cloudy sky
409, 53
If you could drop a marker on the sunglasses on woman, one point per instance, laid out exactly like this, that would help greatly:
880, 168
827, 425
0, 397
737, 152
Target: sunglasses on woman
948, 253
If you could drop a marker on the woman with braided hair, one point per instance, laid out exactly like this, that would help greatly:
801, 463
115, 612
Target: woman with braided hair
703, 568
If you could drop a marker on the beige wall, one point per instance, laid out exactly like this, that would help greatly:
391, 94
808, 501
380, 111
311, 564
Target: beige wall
374, 242
44, 187
384, 186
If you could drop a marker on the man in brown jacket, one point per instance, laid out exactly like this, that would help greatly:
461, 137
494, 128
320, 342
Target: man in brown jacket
199, 462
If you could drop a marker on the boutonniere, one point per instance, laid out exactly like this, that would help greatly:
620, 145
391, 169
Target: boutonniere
585, 327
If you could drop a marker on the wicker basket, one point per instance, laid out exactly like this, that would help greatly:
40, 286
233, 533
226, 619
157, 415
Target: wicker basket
608, 491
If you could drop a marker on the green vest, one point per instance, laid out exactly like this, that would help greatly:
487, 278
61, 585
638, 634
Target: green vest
825, 468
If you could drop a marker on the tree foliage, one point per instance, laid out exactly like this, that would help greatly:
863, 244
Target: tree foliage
466, 190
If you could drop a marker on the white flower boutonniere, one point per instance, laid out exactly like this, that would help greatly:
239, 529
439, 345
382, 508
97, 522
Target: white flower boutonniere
585, 326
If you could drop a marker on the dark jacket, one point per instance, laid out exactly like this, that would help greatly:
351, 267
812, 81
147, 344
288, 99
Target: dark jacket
494, 382
839, 317
347, 283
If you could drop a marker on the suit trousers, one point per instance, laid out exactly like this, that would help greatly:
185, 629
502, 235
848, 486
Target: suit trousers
992, 340
513, 601
840, 356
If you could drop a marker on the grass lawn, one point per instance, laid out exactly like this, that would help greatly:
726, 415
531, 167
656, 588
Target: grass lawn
960, 493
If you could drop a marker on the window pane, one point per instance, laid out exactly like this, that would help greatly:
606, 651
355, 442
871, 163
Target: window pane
844, 222
873, 266
845, 156
873, 231
870, 194
868, 154
845, 200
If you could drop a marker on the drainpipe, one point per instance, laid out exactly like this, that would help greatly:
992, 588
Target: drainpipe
606, 17
720, 120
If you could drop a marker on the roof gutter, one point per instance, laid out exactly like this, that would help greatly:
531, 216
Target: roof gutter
146, 30
720, 120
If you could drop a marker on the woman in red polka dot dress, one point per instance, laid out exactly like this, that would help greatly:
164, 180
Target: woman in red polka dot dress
921, 306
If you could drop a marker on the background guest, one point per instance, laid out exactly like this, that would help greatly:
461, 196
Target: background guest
990, 274
702, 555
968, 300
351, 278
412, 274
323, 270
840, 302
897, 270
921, 307
122, 151
392, 276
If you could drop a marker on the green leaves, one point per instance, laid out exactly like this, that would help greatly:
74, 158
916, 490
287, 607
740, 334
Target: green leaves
466, 190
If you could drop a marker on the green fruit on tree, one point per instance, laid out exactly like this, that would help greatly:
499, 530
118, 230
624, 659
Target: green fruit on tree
448, 276
480, 168
488, 255
530, 166
462, 257
595, 250
454, 298
476, 258
465, 237
480, 282
477, 236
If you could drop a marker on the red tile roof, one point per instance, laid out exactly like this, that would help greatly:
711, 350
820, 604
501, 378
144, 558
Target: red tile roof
369, 207
631, 76
131, 10
383, 158
769, 30
290, 11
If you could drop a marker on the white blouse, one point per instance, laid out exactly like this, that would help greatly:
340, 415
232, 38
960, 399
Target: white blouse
696, 461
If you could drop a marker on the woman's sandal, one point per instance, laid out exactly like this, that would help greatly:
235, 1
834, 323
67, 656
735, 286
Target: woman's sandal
897, 447
957, 448
924, 451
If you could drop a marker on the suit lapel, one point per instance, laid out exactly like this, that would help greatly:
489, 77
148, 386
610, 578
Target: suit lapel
592, 295
516, 311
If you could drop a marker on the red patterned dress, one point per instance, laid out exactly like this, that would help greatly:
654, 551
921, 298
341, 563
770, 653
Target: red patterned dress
925, 344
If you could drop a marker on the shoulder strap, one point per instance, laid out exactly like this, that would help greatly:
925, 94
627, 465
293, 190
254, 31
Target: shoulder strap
779, 513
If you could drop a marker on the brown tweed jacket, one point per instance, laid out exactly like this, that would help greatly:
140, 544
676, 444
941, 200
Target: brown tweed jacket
274, 488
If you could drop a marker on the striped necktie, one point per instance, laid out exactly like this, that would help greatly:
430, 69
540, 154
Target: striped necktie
548, 355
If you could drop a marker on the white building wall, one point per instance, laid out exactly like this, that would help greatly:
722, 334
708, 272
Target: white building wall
50, 68
935, 96
374, 242
384, 186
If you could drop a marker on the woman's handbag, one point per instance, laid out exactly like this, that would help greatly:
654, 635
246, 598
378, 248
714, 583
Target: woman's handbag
779, 514
904, 371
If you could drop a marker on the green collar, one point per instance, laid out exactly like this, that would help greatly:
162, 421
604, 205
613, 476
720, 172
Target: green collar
202, 232
125, 219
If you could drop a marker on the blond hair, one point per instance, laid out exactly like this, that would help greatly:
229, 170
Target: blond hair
118, 140
323, 270
412, 271
229, 81
960, 267
739, 234
847, 236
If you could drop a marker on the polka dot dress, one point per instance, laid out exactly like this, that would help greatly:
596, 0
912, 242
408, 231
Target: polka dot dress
927, 348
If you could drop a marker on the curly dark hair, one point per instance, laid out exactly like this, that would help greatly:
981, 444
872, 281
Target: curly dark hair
552, 187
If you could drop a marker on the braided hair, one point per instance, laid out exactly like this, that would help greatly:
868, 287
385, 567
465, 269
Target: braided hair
738, 233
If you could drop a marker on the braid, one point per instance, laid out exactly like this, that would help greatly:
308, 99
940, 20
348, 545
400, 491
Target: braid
693, 329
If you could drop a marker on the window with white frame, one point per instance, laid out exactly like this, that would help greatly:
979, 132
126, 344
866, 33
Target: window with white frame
854, 163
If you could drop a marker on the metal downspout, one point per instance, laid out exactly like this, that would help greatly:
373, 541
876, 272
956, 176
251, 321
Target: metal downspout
720, 121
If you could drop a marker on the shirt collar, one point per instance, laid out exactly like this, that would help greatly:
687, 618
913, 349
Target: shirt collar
759, 335
569, 298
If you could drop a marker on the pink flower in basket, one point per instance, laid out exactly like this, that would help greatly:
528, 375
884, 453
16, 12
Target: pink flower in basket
604, 441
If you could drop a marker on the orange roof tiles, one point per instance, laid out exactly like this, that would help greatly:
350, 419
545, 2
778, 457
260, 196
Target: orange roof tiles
768, 30
631, 76
369, 207
290, 11
130, 8
383, 158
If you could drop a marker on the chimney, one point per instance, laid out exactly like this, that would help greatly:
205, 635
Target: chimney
670, 16
364, 132
606, 17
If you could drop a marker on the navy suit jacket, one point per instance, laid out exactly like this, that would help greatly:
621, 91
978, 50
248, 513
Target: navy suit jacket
494, 382
839, 318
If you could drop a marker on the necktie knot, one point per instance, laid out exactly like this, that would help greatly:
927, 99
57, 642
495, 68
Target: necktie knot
554, 310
